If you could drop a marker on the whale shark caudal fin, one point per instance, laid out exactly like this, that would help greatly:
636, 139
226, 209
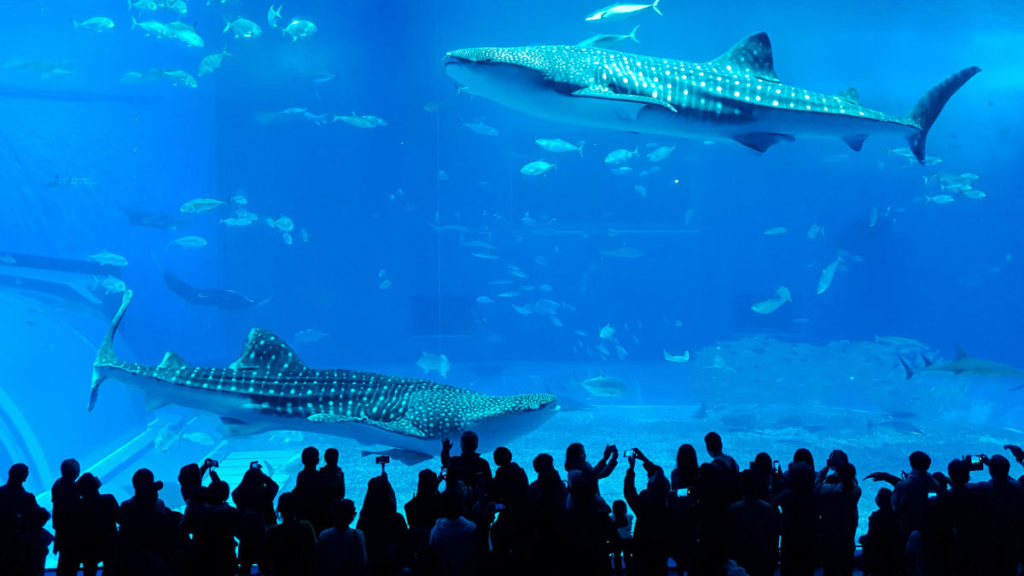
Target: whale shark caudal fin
929, 106
106, 354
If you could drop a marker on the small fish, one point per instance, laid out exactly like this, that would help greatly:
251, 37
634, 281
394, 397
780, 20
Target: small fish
604, 386
973, 194
828, 274
815, 231
940, 199
621, 170
190, 241
546, 306
873, 217
178, 6
484, 300
647, 172
620, 156
107, 258
523, 310
439, 363
480, 128
776, 231
510, 294
559, 146
641, 190
309, 336
621, 11
143, 5
152, 28
607, 332
407, 457
179, 78
284, 224
212, 62
361, 121
94, 24
199, 205
678, 359
516, 271
243, 28
185, 33
384, 285
609, 40
661, 153
537, 168
932, 160
110, 285
297, 29
545, 288
274, 15
7, 259
773, 304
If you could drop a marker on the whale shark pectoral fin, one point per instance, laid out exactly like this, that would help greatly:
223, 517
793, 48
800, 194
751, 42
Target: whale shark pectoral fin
630, 98
856, 142
265, 351
327, 418
753, 53
961, 353
762, 141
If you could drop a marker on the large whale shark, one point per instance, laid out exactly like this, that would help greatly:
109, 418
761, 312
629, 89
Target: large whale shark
269, 388
736, 96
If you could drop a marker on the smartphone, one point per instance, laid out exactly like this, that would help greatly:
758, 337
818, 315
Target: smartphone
683, 492
383, 460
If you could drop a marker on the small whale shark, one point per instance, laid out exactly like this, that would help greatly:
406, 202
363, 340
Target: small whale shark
966, 365
736, 96
269, 388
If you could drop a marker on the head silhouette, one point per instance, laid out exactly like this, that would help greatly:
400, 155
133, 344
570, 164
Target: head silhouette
713, 443
502, 456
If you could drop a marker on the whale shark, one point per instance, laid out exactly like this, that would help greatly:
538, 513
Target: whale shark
736, 96
269, 388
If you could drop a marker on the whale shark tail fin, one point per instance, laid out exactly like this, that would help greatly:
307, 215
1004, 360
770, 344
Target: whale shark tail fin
929, 106
106, 355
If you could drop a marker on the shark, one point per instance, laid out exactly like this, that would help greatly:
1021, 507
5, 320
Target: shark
966, 365
737, 96
269, 388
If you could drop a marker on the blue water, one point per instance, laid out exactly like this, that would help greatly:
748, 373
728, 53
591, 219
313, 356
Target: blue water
371, 201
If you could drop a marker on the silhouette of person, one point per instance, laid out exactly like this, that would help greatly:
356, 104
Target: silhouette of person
312, 492
754, 527
453, 537
23, 541
213, 525
589, 528
713, 444
576, 465
1003, 510
146, 540
682, 506
254, 499
66, 508
383, 527
883, 546
837, 505
799, 539
650, 541
622, 540
468, 469
546, 518
341, 549
332, 476
96, 525
911, 493
291, 545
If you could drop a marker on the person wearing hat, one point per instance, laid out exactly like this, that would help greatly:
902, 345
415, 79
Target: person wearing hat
148, 531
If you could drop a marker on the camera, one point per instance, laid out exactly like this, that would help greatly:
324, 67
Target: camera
975, 462
255, 464
382, 460
211, 463
682, 492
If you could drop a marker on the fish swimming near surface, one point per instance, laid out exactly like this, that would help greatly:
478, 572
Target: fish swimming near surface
216, 297
736, 96
269, 388
966, 365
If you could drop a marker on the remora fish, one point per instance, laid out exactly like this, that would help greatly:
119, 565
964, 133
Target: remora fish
736, 96
269, 388
966, 365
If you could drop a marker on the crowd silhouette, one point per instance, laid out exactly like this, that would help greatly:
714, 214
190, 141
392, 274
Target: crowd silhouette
705, 519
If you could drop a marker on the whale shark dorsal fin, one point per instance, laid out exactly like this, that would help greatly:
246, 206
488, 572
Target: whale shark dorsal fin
961, 353
265, 351
753, 53
850, 95
172, 361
